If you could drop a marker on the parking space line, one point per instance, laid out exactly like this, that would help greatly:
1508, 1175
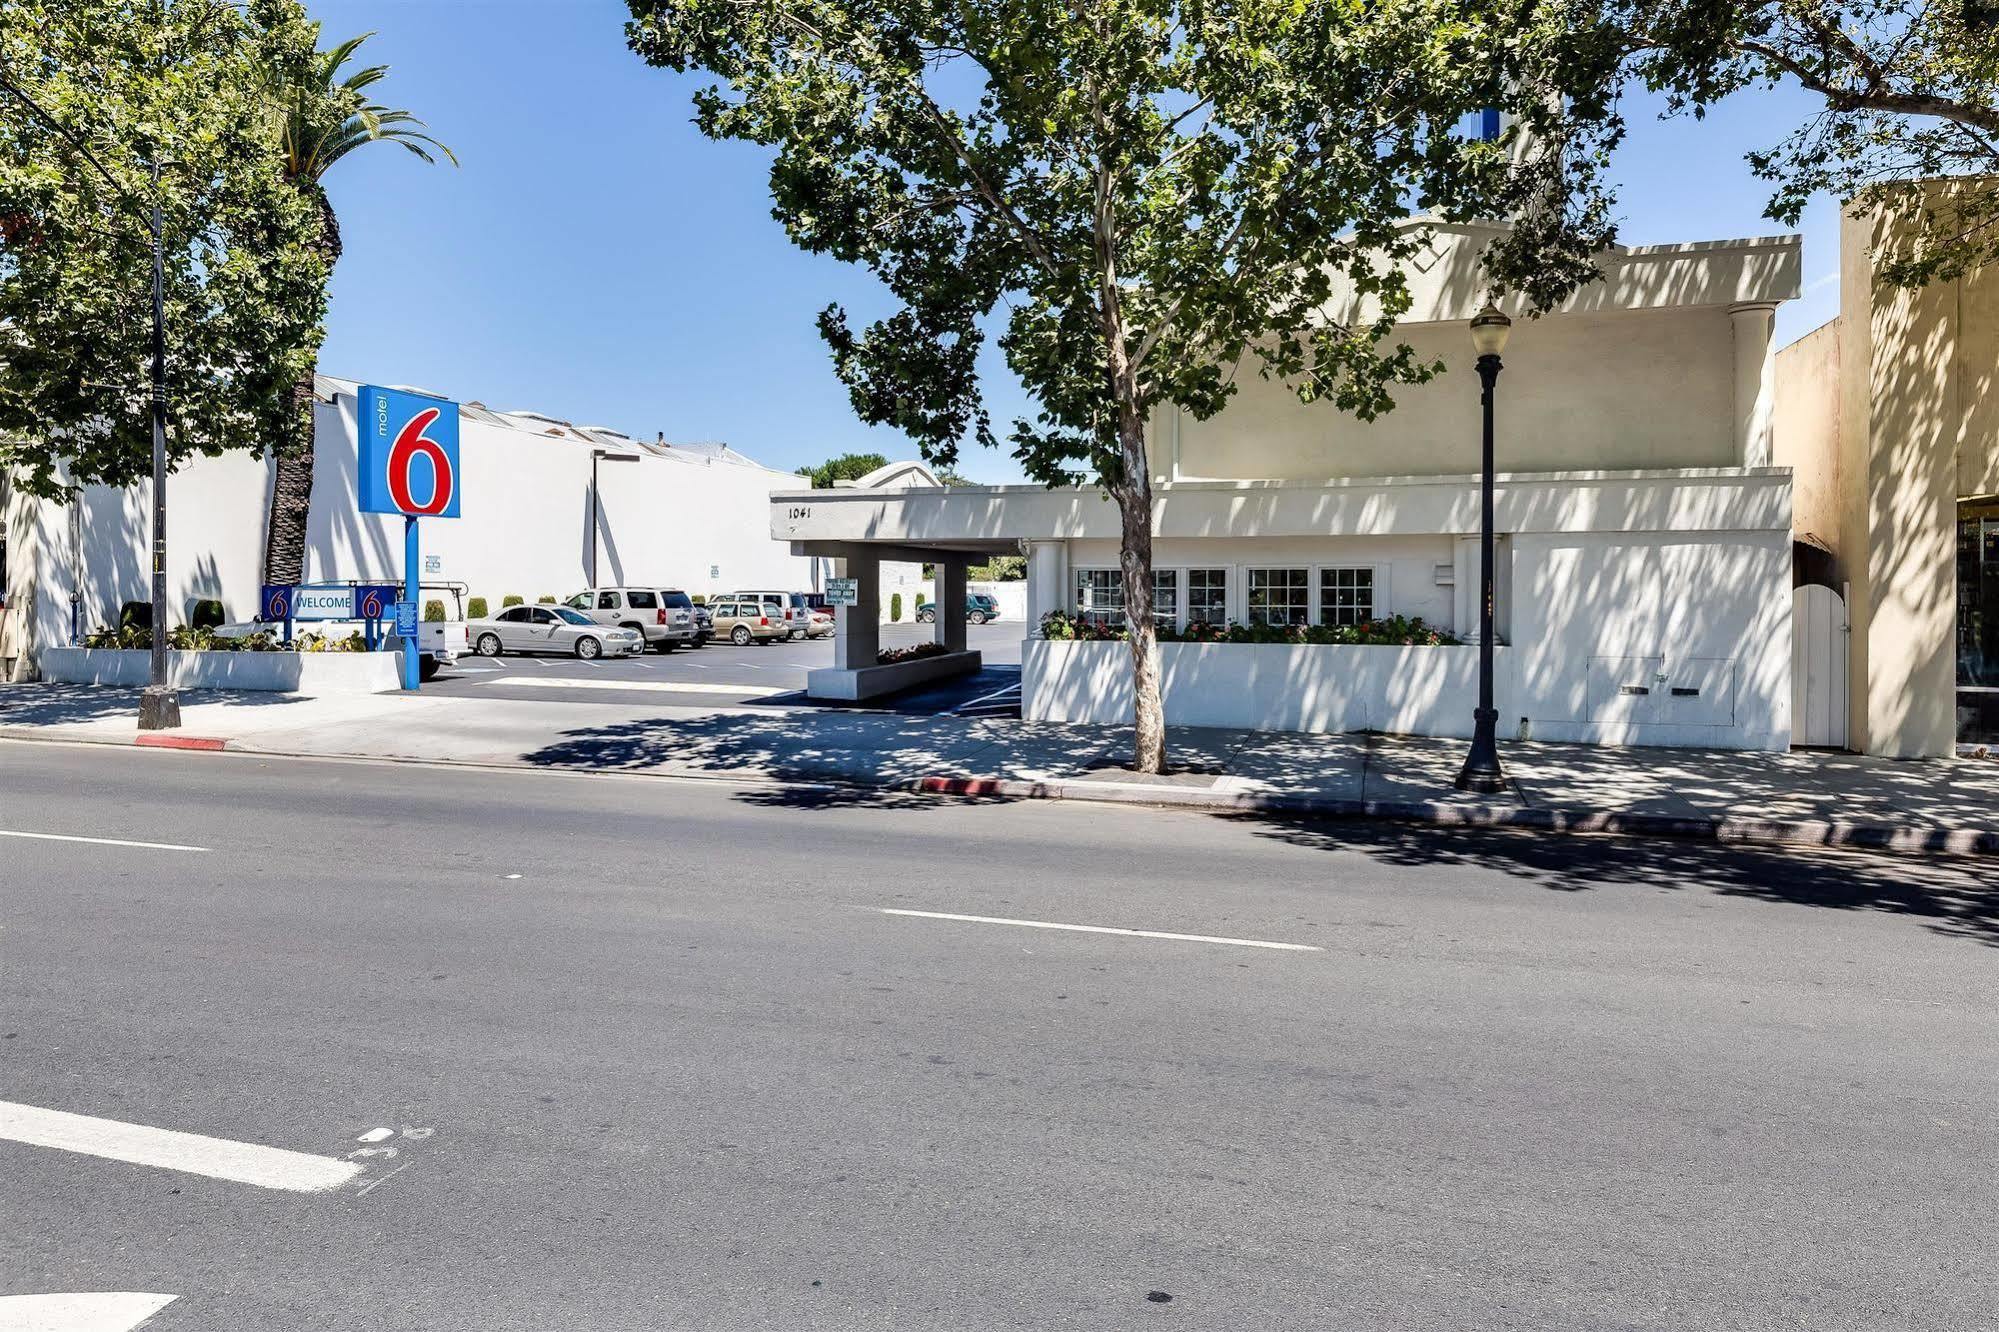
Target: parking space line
101, 841
80, 1311
1103, 929
642, 686
170, 1149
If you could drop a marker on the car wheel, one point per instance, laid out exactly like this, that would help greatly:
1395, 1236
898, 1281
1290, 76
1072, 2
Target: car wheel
588, 648
977, 617
426, 670
667, 645
740, 635
488, 645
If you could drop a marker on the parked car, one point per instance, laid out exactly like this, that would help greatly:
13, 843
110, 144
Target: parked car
704, 626
551, 629
979, 608
662, 616
820, 625
789, 607
747, 621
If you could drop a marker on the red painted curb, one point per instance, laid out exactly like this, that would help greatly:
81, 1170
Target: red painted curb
156, 741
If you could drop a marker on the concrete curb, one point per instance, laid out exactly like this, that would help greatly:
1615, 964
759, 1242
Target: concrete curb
1905, 839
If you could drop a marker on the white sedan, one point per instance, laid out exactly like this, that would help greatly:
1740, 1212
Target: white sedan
550, 629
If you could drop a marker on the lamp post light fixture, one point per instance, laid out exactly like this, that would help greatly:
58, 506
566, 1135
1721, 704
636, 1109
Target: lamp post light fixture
597, 456
1481, 772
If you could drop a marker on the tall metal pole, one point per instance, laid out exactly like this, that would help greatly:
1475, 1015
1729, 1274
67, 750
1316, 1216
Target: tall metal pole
1481, 771
594, 456
159, 706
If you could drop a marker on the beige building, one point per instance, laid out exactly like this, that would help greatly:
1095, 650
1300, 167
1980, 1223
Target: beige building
1889, 418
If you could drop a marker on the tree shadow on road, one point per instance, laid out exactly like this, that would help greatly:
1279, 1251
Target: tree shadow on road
1949, 895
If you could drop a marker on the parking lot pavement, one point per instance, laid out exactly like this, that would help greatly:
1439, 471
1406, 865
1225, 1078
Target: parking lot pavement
722, 674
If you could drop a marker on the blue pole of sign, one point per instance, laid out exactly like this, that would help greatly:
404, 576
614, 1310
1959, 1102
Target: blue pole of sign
412, 561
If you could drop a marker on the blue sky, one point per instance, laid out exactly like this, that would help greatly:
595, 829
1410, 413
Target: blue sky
597, 259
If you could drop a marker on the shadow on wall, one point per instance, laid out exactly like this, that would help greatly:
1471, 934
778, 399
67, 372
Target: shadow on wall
1946, 896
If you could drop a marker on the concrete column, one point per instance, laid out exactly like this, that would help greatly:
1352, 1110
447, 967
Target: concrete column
1047, 579
951, 605
857, 628
1755, 381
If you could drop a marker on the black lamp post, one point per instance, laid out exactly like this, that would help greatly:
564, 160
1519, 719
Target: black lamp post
1481, 771
596, 509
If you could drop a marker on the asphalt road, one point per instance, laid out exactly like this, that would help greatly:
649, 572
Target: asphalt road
651, 1055
722, 674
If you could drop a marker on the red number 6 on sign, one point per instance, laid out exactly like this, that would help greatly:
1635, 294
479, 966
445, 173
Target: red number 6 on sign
410, 445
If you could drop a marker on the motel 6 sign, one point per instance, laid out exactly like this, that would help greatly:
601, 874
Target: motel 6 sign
408, 454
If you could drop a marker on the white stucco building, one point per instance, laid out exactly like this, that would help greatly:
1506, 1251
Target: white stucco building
679, 515
1644, 578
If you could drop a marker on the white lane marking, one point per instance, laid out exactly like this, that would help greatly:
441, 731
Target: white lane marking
644, 686
170, 1149
82, 1311
102, 841
461, 666
1103, 929
987, 698
376, 1135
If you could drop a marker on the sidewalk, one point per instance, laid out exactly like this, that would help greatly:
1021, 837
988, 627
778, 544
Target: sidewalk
1798, 798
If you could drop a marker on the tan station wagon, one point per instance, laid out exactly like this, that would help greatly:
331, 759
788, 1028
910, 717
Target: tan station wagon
743, 622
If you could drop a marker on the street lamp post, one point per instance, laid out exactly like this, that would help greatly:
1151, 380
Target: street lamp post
1481, 771
597, 456
159, 705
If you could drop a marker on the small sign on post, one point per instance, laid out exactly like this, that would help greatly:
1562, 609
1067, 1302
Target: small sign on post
406, 621
843, 592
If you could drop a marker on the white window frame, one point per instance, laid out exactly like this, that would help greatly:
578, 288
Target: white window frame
1230, 581
1381, 607
1311, 586
1077, 572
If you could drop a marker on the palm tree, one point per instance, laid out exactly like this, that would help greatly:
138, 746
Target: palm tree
324, 117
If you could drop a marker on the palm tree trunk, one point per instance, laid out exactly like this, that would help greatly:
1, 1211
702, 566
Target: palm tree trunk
291, 489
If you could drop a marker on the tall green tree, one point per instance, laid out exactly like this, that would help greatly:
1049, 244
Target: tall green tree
846, 467
1139, 195
1908, 89
325, 112
97, 88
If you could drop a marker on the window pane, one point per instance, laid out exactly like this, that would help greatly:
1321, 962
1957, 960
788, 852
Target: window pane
1346, 596
643, 601
1279, 596
1165, 597
1207, 596
1100, 595
607, 601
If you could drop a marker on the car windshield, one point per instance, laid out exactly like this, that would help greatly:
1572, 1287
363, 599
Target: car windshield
571, 616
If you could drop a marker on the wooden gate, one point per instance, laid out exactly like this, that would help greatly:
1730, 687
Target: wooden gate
1818, 667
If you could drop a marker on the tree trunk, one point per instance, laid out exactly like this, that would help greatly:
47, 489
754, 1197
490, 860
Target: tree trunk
1135, 560
291, 489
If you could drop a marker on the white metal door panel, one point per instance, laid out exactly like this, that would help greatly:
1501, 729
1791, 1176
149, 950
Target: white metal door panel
1626, 689
1818, 666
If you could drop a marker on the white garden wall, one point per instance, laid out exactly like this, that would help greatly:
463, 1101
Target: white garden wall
281, 672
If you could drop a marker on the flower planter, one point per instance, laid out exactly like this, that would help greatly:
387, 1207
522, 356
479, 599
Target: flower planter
283, 672
1266, 687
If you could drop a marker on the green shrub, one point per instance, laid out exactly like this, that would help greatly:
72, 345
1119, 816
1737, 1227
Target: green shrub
206, 614
476, 608
545, 601
894, 606
510, 600
433, 612
698, 600
135, 615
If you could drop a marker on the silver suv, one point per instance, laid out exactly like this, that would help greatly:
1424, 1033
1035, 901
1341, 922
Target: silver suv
662, 616
789, 607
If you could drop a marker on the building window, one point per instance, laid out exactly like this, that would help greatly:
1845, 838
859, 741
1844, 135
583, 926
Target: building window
1346, 596
1100, 595
1165, 598
1280, 596
1207, 596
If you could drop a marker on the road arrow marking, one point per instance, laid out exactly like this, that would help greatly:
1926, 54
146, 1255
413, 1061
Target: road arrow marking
169, 1149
